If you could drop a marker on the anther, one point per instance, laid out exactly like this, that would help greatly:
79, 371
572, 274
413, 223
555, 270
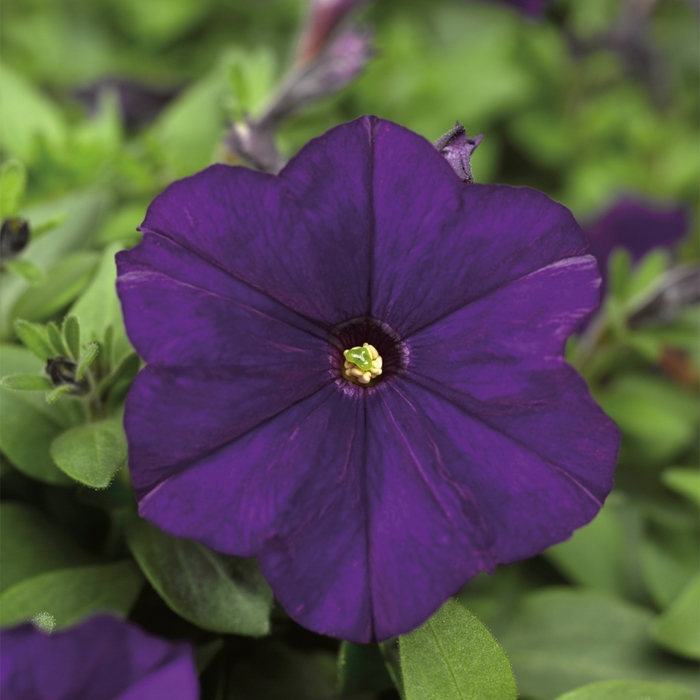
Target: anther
362, 364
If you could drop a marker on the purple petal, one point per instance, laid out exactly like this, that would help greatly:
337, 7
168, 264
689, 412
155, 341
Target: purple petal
102, 658
639, 227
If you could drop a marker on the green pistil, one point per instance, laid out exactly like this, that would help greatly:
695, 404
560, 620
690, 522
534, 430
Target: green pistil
359, 356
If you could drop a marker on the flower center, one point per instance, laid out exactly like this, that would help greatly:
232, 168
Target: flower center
364, 353
362, 363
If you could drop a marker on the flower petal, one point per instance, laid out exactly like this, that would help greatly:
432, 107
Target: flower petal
477, 238
229, 325
175, 416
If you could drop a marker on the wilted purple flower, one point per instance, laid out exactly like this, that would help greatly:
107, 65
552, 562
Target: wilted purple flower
262, 426
457, 148
139, 103
102, 659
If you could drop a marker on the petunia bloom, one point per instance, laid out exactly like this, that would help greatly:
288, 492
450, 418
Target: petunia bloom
369, 499
102, 659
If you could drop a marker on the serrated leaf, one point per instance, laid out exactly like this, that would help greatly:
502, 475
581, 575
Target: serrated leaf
35, 337
87, 357
72, 594
26, 270
454, 657
91, 453
628, 690
216, 592
56, 340
31, 544
71, 335
26, 382
13, 180
28, 424
678, 629
683, 481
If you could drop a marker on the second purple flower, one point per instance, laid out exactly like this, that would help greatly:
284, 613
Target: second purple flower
355, 373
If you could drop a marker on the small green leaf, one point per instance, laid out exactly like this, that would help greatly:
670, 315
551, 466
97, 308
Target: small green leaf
64, 282
72, 594
28, 424
123, 375
13, 180
26, 382
453, 657
628, 690
216, 592
56, 340
49, 224
31, 544
59, 391
619, 266
26, 270
678, 629
71, 335
683, 481
87, 357
91, 453
35, 337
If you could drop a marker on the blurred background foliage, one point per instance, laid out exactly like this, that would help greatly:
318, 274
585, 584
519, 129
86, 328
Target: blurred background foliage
583, 103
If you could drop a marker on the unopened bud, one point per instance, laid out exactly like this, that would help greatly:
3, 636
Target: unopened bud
14, 237
64, 372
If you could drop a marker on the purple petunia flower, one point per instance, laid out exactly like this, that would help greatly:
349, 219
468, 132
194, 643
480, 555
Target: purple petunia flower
637, 226
266, 307
102, 659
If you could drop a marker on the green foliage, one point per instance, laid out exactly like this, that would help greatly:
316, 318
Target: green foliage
453, 656
678, 629
70, 594
218, 593
628, 690
361, 668
684, 481
92, 453
13, 180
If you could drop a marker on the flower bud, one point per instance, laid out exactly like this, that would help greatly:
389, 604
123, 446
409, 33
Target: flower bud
14, 237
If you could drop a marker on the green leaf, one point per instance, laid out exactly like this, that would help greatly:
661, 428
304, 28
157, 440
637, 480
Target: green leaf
122, 376
31, 544
678, 629
56, 340
69, 595
562, 638
361, 669
28, 424
216, 592
49, 224
628, 690
35, 337
26, 270
26, 382
99, 307
454, 656
59, 391
64, 282
646, 276
92, 453
13, 180
71, 335
619, 266
87, 357
25, 114
683, 481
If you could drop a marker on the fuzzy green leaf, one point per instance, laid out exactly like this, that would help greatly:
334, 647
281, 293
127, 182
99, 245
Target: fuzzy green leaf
216, 592
26, 382
454, 657
35, 337
628, 690
71, 335
56, 340
69, 595
87, 357
92, 453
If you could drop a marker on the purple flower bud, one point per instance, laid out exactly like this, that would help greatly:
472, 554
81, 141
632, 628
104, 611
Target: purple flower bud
324, 18
457, 148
